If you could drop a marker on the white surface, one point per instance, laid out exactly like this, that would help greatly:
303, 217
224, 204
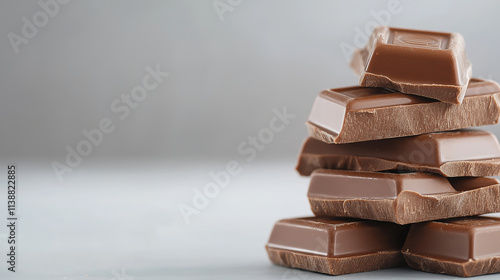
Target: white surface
121, 219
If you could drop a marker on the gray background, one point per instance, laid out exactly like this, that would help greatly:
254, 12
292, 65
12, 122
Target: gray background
225, 76
116, 215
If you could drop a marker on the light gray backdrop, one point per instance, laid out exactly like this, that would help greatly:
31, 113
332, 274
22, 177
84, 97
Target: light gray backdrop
225, 78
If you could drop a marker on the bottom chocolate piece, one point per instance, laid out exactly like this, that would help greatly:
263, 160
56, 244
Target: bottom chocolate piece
336, 246
461, 247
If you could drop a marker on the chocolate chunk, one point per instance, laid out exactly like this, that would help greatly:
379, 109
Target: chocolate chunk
471, 183
430, 64
401, 198
336, 246
355, 114
461, 247
451, 154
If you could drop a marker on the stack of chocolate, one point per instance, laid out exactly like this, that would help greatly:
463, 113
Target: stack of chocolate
396, 178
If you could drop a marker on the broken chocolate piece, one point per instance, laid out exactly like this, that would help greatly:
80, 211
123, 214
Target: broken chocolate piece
451, 154
336, 246
356, 114
461, 247
471, 183
425, 63
401, 198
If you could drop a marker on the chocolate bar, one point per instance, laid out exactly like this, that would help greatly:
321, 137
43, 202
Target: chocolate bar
461, 247
401, 198
424, 63
336, 246
451, 154
355, 114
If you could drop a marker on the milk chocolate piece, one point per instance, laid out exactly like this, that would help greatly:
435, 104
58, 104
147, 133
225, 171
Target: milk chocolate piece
336, 246
355, 114
471, 183
430, 64
451, 154
401, 198
461, 247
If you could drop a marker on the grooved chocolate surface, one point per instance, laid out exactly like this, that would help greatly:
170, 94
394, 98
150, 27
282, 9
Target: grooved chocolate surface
472, 243
451, 154
355, 114
425, 63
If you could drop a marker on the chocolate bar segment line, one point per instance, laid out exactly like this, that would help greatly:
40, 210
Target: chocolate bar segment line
376, 113
451, 154
425, 63
411, 205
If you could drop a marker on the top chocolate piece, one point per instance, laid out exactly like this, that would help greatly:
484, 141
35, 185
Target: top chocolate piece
430, 64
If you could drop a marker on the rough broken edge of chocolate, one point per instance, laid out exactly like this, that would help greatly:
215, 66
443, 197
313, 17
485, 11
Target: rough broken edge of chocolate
475, 168
462, 269
336, 265
408, 120
411, 207
447, 93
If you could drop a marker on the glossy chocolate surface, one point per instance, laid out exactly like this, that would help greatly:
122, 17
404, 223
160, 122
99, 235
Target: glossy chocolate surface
419, 197
355, 114
336, 237
459, 239
471, 183
425, 63
374, 185
409, 153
